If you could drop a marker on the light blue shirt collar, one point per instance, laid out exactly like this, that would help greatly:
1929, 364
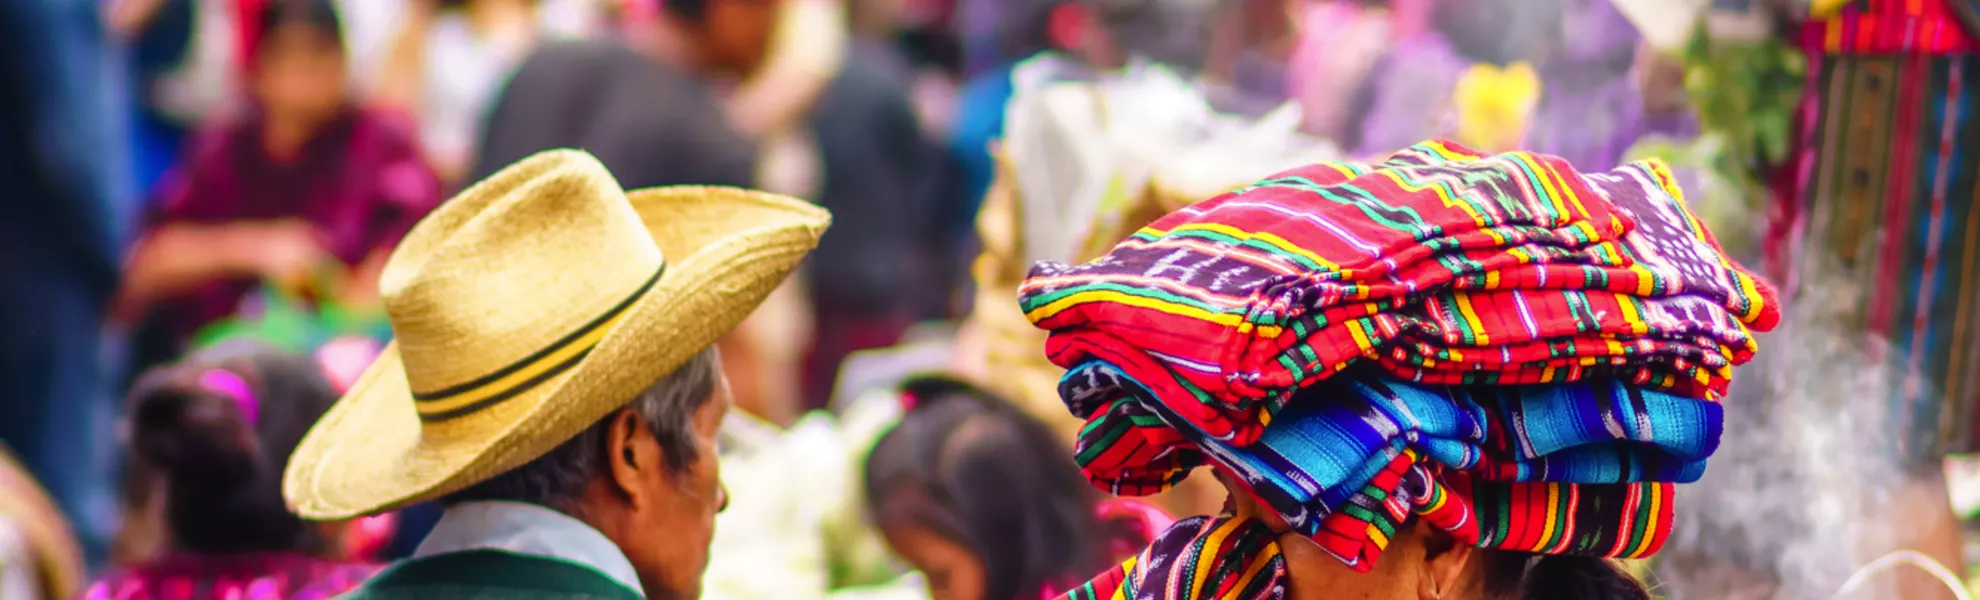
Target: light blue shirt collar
528, 529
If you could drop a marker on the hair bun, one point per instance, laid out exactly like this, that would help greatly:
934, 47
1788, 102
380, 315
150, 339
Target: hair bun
196, 436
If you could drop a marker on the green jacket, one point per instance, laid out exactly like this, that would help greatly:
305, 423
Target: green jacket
490, 575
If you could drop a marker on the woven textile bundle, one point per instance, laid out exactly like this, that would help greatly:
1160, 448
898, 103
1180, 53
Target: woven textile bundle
1520, 354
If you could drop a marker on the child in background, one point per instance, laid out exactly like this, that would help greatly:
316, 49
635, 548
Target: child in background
209, 439
983, 500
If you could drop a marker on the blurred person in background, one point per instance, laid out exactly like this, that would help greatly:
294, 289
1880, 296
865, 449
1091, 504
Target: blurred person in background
62, 235
300, 187
982, 500
1337, 46
644, 106
1252, 42
211, 436
891, 258
449, 59
1467, 77
1073, 39
1591, 106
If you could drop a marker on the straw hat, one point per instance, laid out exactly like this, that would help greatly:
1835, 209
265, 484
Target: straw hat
55, 559
530, 306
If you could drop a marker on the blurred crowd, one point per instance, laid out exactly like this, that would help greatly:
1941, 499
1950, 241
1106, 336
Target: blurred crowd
205, 194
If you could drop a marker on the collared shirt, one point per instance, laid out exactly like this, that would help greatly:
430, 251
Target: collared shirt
528, 529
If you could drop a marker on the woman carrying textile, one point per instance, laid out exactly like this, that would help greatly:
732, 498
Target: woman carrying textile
1443, 375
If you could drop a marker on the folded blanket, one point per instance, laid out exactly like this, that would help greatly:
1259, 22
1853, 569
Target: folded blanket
1358, 454
1224, 308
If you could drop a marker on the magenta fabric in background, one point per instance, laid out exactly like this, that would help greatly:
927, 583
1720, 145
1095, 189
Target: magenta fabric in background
262, 576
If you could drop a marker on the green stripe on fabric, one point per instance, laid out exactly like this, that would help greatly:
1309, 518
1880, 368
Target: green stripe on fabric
1035, 302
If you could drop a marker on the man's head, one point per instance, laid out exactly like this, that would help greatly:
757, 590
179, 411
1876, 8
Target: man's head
645, 475
728, 36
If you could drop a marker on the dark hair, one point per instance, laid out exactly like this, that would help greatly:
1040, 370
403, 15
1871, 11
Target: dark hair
968, 466
320, 15
222, 468
1526, 576
687, 10
559, 476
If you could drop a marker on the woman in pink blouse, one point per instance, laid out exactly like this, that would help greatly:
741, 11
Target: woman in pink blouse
299, 180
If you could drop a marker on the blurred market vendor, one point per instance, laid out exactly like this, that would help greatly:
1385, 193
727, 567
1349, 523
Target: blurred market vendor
298, 184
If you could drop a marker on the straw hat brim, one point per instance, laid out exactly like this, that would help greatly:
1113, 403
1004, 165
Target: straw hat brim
726, 249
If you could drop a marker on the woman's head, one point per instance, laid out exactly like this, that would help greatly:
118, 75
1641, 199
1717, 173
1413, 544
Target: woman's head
216, 431
300, 69
1425, 563
980, 497
729, 36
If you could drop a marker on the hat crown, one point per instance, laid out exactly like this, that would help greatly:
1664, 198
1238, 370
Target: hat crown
503, 280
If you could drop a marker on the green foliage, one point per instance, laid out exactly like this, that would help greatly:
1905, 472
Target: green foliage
1745, 93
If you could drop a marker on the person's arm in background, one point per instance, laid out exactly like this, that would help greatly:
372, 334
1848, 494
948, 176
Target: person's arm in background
401, 80
189, 246
805, 52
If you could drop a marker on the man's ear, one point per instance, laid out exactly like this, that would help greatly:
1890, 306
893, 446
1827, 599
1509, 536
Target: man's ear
1444, 560
631, 454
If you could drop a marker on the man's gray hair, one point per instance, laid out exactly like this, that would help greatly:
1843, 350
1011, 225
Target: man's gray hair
559, 477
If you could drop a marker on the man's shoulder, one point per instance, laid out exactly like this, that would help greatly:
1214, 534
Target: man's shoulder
490, 574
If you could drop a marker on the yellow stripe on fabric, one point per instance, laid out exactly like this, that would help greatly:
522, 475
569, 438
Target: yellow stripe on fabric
1644, 280
1344, 169
1443, 194
1636, 324
1276, 242
1553, 188
1438, 500
1226, 319
1204, 566
1656, 494
1553, 512
1127, 573
1445, 151
1257, 566
1361, 340
1375, 535
1754, 302
1471, 320
542, 364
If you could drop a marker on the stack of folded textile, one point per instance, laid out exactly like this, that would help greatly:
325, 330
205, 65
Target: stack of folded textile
1521, 354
